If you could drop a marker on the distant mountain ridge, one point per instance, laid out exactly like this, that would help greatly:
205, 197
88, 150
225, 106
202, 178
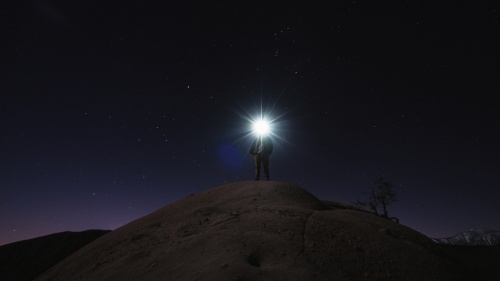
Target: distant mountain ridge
26, 260
474, 237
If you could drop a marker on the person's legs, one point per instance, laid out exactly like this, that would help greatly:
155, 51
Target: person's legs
258, 159
265, 161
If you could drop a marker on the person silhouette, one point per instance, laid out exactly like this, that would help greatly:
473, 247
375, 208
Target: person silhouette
261, 148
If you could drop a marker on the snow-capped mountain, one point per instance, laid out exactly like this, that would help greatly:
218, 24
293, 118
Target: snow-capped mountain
472, 237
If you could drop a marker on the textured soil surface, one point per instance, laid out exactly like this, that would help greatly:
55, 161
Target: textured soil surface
260, 231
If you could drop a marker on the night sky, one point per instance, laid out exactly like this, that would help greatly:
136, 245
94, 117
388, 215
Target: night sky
113, 109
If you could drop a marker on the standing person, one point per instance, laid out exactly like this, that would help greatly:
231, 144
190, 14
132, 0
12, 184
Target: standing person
261, 148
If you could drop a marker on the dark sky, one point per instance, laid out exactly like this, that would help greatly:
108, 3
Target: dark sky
113, 109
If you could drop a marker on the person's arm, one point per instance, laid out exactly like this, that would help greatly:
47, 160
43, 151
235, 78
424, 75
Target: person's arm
270, 148
252, 147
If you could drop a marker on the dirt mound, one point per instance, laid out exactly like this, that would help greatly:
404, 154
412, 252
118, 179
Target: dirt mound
258, 231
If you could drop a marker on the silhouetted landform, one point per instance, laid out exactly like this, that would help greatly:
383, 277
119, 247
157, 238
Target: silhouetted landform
26, 260
482, 261
261, 231
472, 238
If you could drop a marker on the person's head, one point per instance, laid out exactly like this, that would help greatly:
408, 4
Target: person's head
261, 128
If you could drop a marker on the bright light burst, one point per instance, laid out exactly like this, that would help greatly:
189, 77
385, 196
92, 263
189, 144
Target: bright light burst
261, 127
264, 124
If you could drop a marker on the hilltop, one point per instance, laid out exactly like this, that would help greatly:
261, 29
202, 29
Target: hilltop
259, 231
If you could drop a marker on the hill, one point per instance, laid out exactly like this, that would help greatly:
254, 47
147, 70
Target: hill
259, 231
26, 260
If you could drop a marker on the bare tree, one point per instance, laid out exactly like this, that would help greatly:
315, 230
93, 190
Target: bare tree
381, 196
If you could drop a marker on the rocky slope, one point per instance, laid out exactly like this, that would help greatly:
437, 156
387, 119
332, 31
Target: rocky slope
259, 231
